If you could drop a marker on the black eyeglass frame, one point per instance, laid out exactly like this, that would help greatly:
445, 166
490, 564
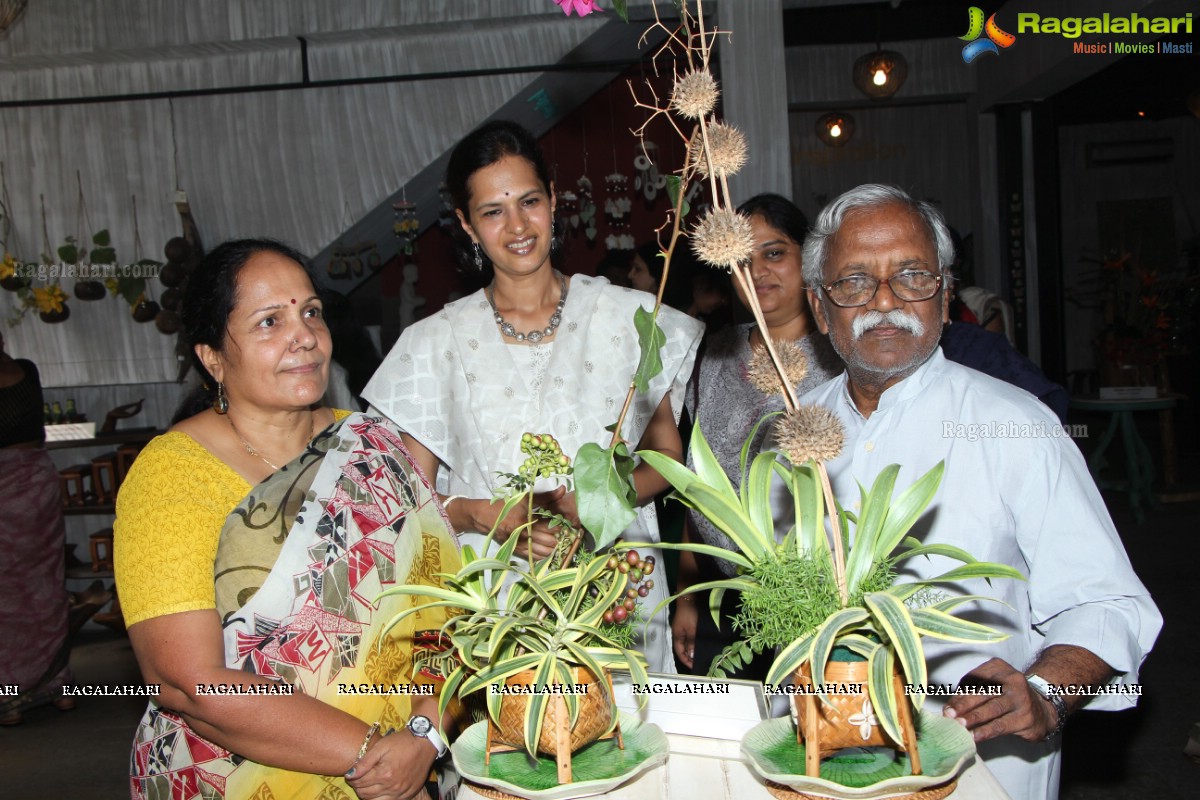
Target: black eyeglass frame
939, 280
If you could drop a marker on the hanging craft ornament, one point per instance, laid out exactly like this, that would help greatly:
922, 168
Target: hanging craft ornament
648, 181
618, 205
587, 208
406, 225
568, 207
446, 217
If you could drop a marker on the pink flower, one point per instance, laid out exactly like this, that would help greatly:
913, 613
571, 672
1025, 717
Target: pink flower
581, 7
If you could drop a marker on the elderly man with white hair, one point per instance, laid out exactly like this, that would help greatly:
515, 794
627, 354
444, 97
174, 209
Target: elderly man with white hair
1015, 490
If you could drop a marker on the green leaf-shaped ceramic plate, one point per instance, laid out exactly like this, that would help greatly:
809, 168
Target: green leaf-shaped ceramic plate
598, 768
862, 773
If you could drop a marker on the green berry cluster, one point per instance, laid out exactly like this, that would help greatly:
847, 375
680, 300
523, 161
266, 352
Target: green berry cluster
545, 457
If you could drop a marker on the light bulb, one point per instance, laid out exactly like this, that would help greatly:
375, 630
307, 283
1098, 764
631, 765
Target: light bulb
835, 130
880, 77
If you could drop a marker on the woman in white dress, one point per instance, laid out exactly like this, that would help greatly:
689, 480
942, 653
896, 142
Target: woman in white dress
534, 350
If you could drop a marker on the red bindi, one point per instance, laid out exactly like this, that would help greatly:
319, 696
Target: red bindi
293, 301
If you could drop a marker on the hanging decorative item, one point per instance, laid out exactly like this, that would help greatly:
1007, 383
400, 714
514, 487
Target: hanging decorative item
12, 268
879, 74
406, 225
74, 255
568, 209
617, 205
446, 217
50, 300
587, 207
648, 181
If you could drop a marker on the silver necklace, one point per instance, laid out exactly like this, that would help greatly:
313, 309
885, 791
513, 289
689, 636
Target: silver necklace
312, 431
535, 335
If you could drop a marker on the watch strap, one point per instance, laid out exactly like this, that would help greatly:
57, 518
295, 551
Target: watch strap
1042, 687
430, 733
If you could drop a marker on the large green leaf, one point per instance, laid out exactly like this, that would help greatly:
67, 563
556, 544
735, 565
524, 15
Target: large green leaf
947, 550
865, 553
650, 340
898, 628
907, 508
756, 497
604, 491
708, 468
621, 7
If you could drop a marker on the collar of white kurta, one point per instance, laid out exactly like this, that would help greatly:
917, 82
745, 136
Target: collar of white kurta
921, 379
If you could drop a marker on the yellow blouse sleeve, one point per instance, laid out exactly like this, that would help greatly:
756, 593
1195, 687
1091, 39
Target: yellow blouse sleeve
170, 512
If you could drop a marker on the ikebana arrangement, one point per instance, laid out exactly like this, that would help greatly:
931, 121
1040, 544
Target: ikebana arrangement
824, 594
540, 639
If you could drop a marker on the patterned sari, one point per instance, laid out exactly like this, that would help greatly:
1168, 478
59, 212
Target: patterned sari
300, 565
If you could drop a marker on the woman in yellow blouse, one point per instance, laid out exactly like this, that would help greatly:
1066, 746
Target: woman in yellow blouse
252, 540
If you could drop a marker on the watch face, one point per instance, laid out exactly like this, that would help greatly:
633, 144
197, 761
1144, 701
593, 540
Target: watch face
420, 726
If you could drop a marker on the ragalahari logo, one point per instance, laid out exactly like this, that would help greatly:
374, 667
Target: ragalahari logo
996, 38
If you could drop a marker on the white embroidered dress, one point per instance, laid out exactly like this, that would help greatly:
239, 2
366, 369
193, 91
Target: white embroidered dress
457, 386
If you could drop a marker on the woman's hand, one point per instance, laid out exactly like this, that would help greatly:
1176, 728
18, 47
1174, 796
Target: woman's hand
683, 630
396, 766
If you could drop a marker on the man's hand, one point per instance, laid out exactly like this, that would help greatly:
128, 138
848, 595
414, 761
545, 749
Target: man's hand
1019, 710
683, 630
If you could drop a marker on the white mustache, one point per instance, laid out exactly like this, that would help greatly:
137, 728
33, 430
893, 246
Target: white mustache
895, 318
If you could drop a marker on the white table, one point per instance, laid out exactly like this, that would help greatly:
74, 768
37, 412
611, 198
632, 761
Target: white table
713, 769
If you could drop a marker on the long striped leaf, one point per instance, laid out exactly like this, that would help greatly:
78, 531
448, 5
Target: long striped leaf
731, 520
498, 672
790, 658
744, 456
708, 468
947, 550
535, 708
893, 617
828, 634
756, 497
978, 569
941, 625
865, 553
708, 550
907, 507
881, 664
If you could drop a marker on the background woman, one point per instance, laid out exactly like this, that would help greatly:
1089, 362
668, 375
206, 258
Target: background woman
33, 601
533, 351
303, 523
724, 401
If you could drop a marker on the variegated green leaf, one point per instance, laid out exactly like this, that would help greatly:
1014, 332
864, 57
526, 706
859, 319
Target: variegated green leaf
941, 625
879, 687
893, 617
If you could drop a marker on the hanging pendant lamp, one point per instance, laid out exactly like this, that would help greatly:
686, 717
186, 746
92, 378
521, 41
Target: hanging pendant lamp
880, 73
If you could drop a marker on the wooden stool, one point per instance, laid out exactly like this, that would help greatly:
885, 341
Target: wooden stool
126, 453
71, 482
100, 545
105, 488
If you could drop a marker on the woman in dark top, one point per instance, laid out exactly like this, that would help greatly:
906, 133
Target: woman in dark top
33, 601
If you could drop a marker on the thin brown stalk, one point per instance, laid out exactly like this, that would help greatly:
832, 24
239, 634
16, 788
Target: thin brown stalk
835, 520
742, 275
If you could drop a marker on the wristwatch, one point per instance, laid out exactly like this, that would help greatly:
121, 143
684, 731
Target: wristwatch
1040, 686
424, 727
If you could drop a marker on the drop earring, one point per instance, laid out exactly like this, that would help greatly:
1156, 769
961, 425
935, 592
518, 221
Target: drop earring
478, 257
221, 404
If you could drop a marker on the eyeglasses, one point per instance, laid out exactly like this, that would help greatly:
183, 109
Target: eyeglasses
911, 286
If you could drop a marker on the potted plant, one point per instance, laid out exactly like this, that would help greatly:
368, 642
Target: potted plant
540, 639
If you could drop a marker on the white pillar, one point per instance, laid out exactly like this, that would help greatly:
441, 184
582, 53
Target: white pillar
754, 93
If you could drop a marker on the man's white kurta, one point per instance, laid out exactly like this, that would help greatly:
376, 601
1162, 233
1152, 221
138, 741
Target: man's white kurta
1015, 490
